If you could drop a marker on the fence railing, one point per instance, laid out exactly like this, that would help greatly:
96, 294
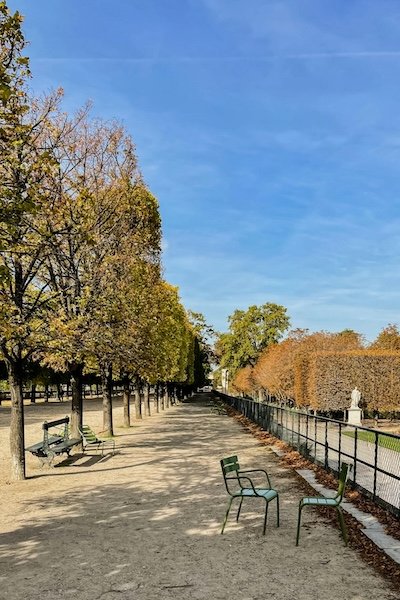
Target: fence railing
374, 455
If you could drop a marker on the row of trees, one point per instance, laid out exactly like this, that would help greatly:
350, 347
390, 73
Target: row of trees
320, 370
81, 283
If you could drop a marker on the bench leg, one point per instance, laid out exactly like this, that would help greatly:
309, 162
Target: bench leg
265, 517
342, 525
277, 511
299, 523
226, 515
240, 507
48, 459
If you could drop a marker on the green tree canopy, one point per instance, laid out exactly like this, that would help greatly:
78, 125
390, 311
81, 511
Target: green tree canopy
204, 354
250, 332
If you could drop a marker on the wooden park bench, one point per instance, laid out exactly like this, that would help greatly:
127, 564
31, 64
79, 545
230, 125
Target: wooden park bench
54, 445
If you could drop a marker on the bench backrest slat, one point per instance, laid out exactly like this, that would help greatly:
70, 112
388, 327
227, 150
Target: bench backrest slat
47, 424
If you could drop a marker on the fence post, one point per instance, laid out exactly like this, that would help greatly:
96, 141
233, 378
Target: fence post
375, 461
355, 454
292, 426
315, 437
298, 429
326, 446
307, 431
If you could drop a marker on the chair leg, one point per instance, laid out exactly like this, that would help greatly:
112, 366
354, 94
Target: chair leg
342, 525
226, 515
240, 507
266, 516
277, 511
298, 524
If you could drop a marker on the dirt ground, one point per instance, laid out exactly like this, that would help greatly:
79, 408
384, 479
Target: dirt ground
145, 524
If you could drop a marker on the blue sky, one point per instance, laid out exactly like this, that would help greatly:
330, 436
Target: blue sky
268, 130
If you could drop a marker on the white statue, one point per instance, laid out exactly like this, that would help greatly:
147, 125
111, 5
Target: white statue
355, 398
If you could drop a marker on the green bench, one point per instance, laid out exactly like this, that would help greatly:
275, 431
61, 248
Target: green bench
56, 444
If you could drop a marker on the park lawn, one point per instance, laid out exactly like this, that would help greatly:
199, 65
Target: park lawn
386, 441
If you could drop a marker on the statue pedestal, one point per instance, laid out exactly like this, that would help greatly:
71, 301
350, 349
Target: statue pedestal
354, 416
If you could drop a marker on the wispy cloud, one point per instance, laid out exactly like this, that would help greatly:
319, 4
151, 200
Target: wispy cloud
254, 58
268, 130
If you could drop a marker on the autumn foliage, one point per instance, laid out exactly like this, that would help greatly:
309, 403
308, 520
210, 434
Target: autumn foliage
332, 376
244, 380
81, 283
319, 370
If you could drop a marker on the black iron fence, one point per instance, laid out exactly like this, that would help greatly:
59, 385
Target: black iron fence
374, 455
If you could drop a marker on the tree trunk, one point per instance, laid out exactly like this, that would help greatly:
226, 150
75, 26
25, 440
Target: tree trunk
76, 371
46, 392
138, 398
106, 386
33, 393
166, 397
147, 400
157, 398
162, 397
126, 400
17, 432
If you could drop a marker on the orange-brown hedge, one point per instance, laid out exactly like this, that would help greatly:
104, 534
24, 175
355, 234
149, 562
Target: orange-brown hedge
329, 378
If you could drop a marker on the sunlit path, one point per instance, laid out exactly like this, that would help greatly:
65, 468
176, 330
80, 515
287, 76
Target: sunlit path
145, 524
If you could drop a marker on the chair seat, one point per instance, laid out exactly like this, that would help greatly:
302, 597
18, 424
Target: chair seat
260, 492
328, 502
319, 501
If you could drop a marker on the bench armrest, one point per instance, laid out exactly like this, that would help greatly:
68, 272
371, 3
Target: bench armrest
239, 479
258, 471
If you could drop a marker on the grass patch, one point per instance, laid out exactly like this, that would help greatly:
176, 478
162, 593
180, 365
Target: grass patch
383, 440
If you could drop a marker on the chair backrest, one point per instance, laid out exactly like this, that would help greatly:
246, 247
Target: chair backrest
88, 435
229, 465
344, 473
62, 432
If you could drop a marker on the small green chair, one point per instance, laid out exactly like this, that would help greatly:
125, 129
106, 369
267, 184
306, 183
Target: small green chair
238, 485
90, 440
329, 502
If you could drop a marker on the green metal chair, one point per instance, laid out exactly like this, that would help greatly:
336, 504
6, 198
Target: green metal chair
328, 502
90, 440
239, 485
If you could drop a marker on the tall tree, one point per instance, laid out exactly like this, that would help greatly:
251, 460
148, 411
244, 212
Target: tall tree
204, 354
123, 318
250, 332
25, 165
99, 213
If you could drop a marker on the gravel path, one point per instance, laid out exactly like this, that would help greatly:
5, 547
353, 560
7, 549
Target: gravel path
144, 524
